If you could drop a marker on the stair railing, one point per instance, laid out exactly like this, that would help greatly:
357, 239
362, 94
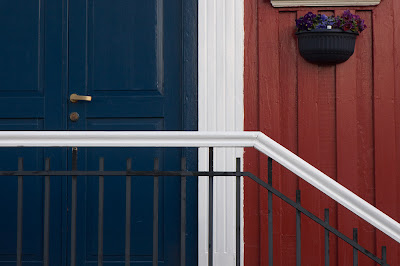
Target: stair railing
258, 140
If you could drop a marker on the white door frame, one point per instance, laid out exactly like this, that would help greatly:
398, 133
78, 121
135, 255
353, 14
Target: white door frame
220, 66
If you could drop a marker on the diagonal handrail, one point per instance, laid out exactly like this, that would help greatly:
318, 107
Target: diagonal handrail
257, 140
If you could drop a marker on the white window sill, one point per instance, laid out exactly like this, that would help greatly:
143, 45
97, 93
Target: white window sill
298, 3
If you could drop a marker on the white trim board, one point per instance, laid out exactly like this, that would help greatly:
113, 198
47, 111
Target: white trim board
221, 63
296, 3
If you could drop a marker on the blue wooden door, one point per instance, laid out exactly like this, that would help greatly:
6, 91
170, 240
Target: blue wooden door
127, 55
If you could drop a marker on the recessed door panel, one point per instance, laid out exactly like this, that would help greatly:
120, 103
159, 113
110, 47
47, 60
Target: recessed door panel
122, 43
22, 46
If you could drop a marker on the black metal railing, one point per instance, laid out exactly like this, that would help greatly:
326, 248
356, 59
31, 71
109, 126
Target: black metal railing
183, 173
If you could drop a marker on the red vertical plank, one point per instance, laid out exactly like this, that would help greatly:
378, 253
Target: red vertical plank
327, 141
365, 142
384, 119
396, 9
327, 144
347, 148
268, 28
251, 158
309, 150
288, 182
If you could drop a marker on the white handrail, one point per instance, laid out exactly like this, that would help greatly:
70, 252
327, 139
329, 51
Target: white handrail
209, 139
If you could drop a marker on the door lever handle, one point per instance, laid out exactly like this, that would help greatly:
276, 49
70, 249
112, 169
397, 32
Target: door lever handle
75, 98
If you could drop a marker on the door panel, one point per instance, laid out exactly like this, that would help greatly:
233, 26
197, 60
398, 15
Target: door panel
31, 99
121, 42
30, 74
22, 50
120, 59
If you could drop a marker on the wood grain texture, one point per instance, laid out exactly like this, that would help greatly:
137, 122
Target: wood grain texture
343, 119
269, 116
396, 57
287, 182
327, 140
251, 157
365, 123
347, 147
309, 150
384, 119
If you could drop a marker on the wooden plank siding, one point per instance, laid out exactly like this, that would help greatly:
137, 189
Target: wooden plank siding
343, 119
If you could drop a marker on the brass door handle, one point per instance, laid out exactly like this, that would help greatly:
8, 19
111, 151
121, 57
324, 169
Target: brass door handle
75, 98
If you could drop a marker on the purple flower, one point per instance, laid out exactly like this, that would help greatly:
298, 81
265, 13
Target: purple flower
346, 22
338, 23
347, 15
310, 16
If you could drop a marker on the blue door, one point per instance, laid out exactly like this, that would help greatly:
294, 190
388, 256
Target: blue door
126, 55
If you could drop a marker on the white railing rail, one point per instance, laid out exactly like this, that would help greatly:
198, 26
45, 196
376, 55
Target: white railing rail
209, 139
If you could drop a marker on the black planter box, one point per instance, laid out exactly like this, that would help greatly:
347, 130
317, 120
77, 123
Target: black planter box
325, 46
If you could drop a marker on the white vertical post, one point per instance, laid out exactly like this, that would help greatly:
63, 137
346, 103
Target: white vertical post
221, 61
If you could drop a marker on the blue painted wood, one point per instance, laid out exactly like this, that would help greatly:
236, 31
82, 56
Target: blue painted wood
129, 57
31, 98
190, 122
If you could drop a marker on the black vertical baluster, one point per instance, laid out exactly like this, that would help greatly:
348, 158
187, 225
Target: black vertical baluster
101, 215
384, 262
46, 215
155, 214
128, 188
270, 218
238, 208
183, 214
73, 205
298, 230
327, 238
210, 206
20, 211
355, 252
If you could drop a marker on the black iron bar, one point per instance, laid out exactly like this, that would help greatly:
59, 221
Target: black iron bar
326, 238
101, 215
183, 214
298, 230
384, 263
270, 217
155, 214
20, 211
238, 208
210, 206
355, 252
128, 191
314, 218
73, 205
46, 222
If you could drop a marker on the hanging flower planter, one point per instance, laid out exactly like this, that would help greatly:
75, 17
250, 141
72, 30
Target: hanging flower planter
328, 40
325, 46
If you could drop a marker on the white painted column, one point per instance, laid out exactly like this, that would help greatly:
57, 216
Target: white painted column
221, 61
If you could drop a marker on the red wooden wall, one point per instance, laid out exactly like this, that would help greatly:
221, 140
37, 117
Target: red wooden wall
343, 119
